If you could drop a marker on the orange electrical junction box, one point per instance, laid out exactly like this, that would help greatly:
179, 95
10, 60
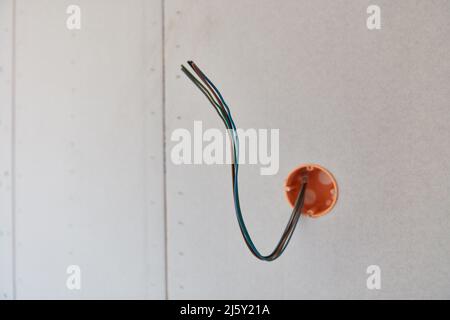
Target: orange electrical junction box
321, 192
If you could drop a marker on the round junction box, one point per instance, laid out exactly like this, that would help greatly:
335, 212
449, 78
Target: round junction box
321, 192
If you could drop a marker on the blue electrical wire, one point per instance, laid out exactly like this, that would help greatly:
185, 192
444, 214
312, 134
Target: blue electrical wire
222, 108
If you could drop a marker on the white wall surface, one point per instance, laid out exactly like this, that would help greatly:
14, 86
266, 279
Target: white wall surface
6, 163
88, 142
371, 106
84, 115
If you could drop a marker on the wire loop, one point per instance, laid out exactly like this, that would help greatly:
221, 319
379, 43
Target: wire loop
215, 98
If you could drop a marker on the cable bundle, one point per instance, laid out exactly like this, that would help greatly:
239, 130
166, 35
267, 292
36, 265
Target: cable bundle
214, 96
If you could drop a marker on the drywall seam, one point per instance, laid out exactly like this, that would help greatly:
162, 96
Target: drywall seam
163, 62
7, 41
13, 148
154, 146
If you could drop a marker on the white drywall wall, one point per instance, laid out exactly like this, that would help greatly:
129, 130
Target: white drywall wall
371, 106
89, 150
6, 101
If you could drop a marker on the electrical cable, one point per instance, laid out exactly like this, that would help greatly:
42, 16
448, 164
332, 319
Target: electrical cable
218, 102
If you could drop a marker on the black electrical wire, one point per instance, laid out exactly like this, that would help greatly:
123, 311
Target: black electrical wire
222, 109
